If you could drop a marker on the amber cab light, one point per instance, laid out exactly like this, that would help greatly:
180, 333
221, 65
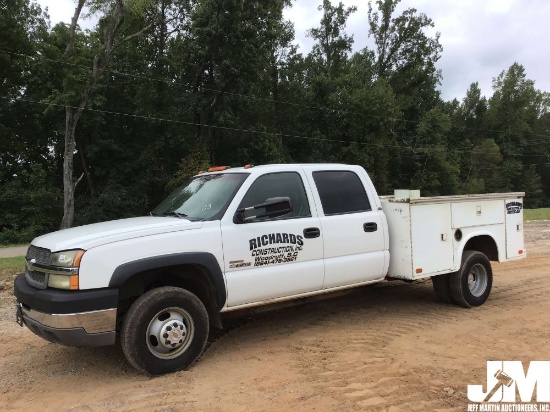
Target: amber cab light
218, 168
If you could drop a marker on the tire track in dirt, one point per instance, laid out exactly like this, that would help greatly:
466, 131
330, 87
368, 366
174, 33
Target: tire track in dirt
374, 379
526, 284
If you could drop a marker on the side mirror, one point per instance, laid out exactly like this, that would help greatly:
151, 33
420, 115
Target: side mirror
273, 207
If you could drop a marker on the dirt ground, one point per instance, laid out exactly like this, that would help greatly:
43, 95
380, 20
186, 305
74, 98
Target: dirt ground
388, 347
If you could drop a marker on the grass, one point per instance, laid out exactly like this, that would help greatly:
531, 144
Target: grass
11, 266
536, 214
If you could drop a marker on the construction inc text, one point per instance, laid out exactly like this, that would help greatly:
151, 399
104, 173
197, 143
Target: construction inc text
279, 254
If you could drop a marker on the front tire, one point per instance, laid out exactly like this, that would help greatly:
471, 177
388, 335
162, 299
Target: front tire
472, 284
165, 330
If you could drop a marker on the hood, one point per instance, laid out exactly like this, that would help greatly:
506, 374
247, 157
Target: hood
89, 236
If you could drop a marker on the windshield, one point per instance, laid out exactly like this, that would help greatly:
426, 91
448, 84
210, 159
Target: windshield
203, 197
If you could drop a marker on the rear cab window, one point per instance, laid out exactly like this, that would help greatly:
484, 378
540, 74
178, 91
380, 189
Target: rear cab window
341, 192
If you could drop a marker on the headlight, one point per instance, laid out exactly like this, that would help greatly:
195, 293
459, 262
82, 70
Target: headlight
70, 260
67, 259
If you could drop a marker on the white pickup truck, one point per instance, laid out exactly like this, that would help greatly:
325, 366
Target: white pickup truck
242, 237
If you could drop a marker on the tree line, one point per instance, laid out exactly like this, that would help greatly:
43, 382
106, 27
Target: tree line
102, 124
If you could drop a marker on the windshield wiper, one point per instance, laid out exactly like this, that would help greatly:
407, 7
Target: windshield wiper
173, 213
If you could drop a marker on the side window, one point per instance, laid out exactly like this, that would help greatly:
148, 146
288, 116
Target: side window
341, 192
286, 184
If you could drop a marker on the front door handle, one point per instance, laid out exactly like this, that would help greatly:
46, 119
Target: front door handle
370, 227
312, 232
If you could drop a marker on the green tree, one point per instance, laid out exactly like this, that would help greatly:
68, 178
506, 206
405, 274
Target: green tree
466, 134
471, 116
332, 44
27, 165
226, 52
436, 167
513, 110
406, 55
23, 26
539, 155
325, 111
77, 97
512, 118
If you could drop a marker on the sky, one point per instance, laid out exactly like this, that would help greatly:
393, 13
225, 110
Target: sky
480, 38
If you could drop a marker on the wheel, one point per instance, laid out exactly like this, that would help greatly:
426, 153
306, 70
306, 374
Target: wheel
442, 289
165, 330
471, 285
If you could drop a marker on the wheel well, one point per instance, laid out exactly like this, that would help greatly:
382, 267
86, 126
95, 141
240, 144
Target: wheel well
193, 278
484, 244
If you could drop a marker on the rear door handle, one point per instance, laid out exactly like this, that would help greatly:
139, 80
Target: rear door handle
370, 227
312, 232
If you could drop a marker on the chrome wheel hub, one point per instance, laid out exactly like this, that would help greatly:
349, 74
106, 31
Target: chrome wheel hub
170, 333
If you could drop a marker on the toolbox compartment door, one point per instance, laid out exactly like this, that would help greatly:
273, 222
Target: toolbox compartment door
514, 228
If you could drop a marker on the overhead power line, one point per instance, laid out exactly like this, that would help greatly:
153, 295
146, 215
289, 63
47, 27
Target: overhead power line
160, 119
417, 151
269, 100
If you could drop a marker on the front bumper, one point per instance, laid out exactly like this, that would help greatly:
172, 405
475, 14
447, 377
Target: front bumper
71, 318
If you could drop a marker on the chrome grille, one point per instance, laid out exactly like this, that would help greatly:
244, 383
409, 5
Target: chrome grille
40, 255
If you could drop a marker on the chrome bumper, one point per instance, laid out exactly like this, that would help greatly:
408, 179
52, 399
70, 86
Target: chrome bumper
97, 328
98, 321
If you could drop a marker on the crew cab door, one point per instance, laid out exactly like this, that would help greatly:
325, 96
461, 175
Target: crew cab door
274, 257
354, 232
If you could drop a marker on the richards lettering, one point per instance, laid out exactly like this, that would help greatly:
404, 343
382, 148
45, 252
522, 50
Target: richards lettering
276, 238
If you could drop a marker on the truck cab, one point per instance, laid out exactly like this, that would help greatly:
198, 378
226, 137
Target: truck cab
335, 236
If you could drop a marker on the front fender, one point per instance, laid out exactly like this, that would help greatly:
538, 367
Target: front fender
206, 260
